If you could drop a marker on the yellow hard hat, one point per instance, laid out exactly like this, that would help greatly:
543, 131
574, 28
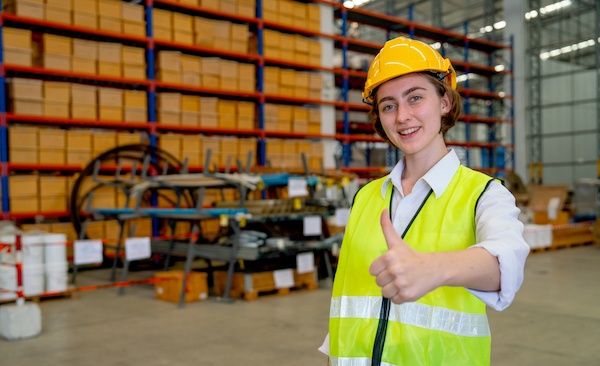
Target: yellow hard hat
401, 56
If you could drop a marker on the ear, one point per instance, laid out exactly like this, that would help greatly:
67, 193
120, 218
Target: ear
446, 104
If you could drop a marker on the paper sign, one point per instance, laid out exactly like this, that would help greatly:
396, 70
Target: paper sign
305, 262
553, 208
341, 216
312, 226
87, 251
137, 248
284, 278
297, 187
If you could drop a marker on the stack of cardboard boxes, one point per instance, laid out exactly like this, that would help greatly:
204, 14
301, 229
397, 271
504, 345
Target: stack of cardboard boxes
17, 45
289, 12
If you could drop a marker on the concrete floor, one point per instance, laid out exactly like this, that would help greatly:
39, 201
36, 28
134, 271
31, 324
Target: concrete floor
555, 320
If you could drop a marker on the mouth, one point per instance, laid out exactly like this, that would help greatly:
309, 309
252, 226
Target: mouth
408, 132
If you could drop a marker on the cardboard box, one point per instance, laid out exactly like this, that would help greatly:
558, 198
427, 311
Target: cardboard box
52, 138
169, 117
163, 18
110, 68
63, 4
135, 114
183, 37
54, 61
23, 155
84, 65
26, 9
31, 107
24, 204
134, 28
78, 157
82, 19
125, 138
84, 111
56, 91
79, 140
133, 55
20, 88
135, 98
191, 144
102, 141
110, 24
169, 101
168, 76
110, 97
52, 185
191, 119
56, 109
111, 52
83, 94
53, 204
23, 137
109, 8
191, 78
18, 38
22, 185
182, 22
132, 12
86, 6
18, 56
52, 156
162, 33
58, 15
190, 103
170, 290
110, 113
169, 60
133, 72
208, 119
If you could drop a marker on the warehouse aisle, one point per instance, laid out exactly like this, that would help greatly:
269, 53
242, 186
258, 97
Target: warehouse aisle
554, 321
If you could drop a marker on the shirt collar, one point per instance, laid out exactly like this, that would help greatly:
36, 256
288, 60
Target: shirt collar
438, 177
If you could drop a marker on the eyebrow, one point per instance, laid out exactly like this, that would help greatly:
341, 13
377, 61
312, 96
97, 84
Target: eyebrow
406, 92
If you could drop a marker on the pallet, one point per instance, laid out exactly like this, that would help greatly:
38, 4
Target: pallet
568, 236
251, 286
39, 298
554, 247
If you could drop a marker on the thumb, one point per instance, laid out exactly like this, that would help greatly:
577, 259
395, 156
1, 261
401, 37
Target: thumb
389, 232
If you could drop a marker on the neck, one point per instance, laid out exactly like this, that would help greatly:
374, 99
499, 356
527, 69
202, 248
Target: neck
417, 165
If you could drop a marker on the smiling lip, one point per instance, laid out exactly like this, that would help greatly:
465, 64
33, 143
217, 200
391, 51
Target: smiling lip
408, 132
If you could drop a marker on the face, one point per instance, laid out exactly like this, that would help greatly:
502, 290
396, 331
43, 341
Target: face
410, 111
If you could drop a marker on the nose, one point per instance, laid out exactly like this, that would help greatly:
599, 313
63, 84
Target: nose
403, 114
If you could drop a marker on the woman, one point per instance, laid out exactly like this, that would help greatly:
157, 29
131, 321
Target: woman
430, 245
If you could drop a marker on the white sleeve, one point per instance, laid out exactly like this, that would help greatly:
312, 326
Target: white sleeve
325, 346
500, 232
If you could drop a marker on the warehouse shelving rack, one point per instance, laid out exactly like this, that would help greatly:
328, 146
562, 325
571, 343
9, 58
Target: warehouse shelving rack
347, 77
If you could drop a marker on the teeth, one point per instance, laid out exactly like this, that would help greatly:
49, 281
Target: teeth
409, 131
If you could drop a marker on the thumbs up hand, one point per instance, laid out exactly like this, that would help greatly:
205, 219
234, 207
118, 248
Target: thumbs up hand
403, 273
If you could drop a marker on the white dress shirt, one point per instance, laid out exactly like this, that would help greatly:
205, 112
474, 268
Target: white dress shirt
498, 229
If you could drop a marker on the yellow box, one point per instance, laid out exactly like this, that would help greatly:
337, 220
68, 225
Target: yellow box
58, 15
190, 103
169, 60
52, 138
167, 117
229, 69
246, 10
110, 97
182, 22
132, 12
191, 143
111, 52
125, 138
80, 140
162, 33
56, 109
162, 18
246, 85
135, 114
78, 157
190, 118
247, 109
84, 111
18, 56
83, 94
25, 88
170, 143
102, 141
245, 123
84, 65
31, 107
54, 61
110, 113
133, 55
26, 9
24, 204
134, 28
63, 4
191, 78
110, 24
23, 155
227, 121
109, 8
135, 98
168, 76
169, 101
53, 204
22, 185
170, 290
86, 6
86, 49
88, 20
52, 156
227, 83
133, 72
191, 63
52, 185
208, 119
183, 37
23, 137
18, 38
110, 68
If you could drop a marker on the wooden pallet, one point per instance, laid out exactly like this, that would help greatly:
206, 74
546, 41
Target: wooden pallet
251, 286
40, 298
568, 236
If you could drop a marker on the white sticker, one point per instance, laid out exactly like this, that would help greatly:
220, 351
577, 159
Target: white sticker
313, 225
297, 187
137, 248
305, 263
284, 278
553, 208
341, 216
87, 251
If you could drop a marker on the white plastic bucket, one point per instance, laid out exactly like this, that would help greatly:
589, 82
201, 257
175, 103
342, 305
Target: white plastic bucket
33, 249
8, 281
7, 254
33, 280
57, 277
55, 249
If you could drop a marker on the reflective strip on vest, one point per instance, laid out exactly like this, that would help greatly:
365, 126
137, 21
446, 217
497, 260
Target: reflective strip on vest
345, 361
413, 313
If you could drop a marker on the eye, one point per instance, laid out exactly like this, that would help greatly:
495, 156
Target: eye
415, 98
386, 107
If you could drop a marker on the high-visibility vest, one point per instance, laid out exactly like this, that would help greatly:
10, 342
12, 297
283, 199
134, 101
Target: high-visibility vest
448, 326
